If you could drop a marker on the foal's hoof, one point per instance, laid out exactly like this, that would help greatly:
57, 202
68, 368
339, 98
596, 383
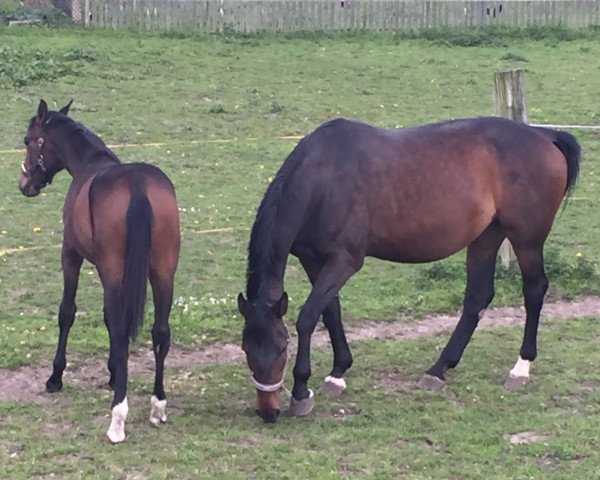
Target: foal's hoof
53, 386
115, 437
158, 412
429, 382
513, 383
301, 408
333, 387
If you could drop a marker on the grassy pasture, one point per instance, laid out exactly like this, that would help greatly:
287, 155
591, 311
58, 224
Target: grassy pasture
217, 106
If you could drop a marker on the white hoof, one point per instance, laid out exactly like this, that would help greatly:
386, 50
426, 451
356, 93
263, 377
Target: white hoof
333, 387
157, 411
521, 368
116, 431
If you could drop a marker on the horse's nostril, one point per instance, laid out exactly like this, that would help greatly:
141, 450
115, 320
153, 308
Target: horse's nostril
269, 416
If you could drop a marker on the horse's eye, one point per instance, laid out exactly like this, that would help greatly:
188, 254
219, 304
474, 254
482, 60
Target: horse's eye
26, 141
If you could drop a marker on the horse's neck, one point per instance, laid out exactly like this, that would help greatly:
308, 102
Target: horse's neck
272, 288
267, 287
81, 166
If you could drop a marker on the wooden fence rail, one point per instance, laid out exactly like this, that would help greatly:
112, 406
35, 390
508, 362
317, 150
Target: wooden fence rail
249, 16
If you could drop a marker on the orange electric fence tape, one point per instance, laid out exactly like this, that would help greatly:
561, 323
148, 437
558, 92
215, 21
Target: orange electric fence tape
8, 251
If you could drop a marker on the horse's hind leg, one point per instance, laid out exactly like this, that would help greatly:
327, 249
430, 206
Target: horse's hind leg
71, 263
535, 285
334, 384
162, 290
118, 356
481, 265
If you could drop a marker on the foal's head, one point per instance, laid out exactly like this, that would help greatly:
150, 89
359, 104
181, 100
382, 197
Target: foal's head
265, 341
41, 160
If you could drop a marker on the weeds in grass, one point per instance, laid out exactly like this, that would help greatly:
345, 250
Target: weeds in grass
218, 108
514, 57
24, 66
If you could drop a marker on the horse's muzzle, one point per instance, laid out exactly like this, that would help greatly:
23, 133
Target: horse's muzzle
27, 188
268, 405
269, 416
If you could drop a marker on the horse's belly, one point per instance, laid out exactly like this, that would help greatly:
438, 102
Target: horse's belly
81, 225
427, 241
408, 252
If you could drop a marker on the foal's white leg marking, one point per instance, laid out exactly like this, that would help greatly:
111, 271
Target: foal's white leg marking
338, 382
521, 369
157, 411
116, 431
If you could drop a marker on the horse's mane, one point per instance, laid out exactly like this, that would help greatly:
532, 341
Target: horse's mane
77, 130
263, 256
261, 250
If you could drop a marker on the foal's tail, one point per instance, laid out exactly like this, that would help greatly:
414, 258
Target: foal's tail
137, 259
571, 150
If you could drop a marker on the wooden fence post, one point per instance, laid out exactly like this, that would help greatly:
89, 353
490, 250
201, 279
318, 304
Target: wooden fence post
509, 102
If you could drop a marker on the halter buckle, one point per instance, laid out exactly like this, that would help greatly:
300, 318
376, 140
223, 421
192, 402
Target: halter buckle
40, 162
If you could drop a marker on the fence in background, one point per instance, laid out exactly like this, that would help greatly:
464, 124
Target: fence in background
248, 16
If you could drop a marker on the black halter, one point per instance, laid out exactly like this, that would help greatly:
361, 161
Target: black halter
38, 164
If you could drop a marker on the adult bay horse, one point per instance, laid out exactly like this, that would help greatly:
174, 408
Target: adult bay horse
124, 219
349, 190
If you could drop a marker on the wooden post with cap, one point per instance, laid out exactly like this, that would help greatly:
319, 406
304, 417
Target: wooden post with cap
509, 102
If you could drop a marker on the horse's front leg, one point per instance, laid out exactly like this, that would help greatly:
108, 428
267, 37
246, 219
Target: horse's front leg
326, 286
71, 265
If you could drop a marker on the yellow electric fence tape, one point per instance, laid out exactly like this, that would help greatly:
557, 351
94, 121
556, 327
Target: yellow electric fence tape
8, 251
190, 142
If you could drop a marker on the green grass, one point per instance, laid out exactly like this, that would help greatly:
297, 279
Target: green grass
218, 91
387, 429
217, 105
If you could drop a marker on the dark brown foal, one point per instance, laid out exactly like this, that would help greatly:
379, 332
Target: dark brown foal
123, 218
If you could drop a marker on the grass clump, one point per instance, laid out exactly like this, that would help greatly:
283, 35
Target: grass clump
20, 66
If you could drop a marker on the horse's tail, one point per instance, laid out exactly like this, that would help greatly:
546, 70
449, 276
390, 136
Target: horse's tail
137, 259
571, 150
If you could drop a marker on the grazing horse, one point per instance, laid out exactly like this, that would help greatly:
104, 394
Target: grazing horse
350, 190
123, 218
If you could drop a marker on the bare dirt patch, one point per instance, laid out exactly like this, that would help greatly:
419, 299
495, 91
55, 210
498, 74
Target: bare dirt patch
393, 381
26, 384
56, 429
521, 438
338, 413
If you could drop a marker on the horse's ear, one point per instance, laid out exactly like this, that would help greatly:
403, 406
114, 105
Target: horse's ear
242, 304
42, 111
65, 110
281, 306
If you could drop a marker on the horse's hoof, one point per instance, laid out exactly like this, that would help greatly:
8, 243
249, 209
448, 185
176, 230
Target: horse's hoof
301, 408
158, 413
513, 383
115, 437
333, 387
53, 386
429, 382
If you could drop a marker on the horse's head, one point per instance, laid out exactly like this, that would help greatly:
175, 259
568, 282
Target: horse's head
265, 341
42, 161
